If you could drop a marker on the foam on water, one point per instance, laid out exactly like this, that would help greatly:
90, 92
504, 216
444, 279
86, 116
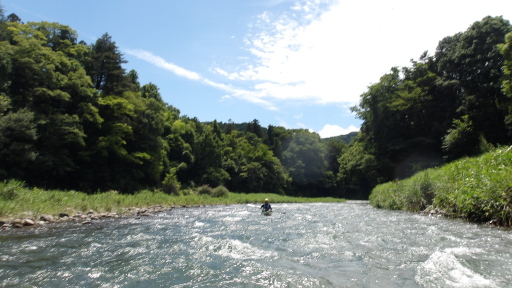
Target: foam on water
445, 269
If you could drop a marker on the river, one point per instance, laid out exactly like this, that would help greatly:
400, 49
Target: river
301, 245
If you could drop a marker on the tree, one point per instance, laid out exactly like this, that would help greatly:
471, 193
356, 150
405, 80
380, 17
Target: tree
305, 161
59, 97
133, 80
472, 60
105, 66
3, 26
2, 13
255, 128
17, 144
252, 166
462, 140
506, 51
13, 18
335, 148
358, 171
208, 155
58, 37
278, 140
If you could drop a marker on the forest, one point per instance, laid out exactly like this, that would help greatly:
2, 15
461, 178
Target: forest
72, 118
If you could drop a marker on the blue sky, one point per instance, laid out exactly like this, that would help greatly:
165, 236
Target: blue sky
290, 63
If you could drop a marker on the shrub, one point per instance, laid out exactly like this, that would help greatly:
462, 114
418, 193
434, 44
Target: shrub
186, 192
204, 190
171, 185
9, 189
220, 191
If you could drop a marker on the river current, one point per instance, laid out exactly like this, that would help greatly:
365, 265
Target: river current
301, 245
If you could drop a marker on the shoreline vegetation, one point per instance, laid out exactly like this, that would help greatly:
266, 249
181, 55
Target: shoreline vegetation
21, 206
478, 189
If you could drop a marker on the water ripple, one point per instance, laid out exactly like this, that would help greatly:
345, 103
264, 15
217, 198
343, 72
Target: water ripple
300, 245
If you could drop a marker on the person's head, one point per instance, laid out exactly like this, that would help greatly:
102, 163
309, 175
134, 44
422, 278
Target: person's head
266, 200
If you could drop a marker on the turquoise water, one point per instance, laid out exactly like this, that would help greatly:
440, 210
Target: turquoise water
301, 245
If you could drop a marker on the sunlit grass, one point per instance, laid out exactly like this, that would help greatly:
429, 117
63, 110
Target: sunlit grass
478, 189
17, 201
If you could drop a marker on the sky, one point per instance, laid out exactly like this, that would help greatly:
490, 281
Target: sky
290, 63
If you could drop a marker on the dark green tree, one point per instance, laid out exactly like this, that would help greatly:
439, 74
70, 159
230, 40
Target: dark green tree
13, 18
255, 128
506, 51
473, 62
133, 81
59, 97
358, 171
105, 67
252, 166
208, 154
463, 141
17, 144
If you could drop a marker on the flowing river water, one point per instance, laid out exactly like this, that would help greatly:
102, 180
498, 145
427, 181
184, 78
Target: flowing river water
301, 245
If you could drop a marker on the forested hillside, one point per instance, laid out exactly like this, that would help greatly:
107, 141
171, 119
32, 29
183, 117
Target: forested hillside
71, 117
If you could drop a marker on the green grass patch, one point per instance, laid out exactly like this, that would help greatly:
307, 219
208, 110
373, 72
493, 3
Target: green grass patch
478, 189
17, 201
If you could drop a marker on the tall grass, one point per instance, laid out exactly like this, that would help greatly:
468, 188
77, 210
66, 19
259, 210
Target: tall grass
478, 189
17, 201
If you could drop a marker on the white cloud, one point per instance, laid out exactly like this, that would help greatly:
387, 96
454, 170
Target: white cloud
330, 51
335, 130
247, 95
160, 62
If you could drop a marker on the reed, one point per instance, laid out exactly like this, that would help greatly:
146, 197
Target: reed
478, 189
18, 201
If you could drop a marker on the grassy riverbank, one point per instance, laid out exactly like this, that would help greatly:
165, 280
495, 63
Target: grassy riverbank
17, 201
478, 189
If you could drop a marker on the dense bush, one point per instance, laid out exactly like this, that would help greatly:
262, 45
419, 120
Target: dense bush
220, 191
204, 190
171, 185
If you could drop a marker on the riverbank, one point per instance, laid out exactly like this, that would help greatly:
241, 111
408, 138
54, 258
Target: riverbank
21, 206
478, 189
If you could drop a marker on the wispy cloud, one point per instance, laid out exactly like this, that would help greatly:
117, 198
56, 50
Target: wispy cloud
160, 62
330, 51
247, 95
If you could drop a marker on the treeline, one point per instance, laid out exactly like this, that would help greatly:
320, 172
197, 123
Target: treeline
455, 103
71, 117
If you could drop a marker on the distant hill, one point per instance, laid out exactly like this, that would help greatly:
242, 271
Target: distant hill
347, 138
242, 127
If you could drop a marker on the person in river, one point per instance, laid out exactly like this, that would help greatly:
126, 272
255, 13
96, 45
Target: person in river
266, 207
